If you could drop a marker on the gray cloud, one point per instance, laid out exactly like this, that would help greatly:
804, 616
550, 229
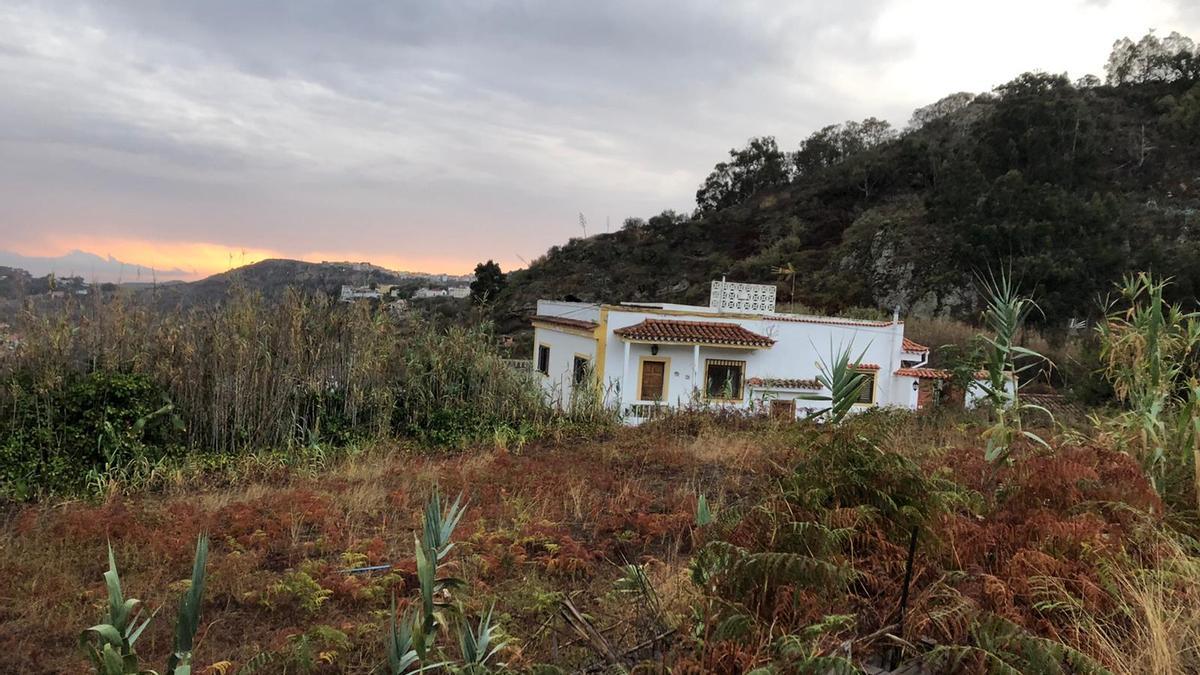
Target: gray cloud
445, 130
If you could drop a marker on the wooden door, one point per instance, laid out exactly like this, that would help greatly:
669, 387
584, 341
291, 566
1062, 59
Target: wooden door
653, 378
783, 409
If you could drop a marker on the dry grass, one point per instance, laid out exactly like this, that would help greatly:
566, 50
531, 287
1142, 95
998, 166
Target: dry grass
1068, 548
550, 519
1155, 626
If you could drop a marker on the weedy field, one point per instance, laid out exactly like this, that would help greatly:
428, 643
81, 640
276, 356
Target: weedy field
1066, 555
431, 513
556, 520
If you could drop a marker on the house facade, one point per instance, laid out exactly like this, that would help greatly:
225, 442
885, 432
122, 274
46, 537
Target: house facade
737, 352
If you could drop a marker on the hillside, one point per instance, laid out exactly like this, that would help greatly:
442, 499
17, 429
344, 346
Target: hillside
1073, 185
272, 277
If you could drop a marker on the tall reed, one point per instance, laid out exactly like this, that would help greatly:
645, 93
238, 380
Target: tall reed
111, 380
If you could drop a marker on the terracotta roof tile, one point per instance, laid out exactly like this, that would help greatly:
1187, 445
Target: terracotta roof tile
833, 320
694, 332
914, 347
563, 321
867, 366
926, 373
780, 383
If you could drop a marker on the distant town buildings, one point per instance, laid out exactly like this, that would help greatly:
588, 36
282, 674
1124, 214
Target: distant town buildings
352, 293
459, 292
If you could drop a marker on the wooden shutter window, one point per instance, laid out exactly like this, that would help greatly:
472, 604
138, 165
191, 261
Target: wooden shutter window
723, 379
866, 394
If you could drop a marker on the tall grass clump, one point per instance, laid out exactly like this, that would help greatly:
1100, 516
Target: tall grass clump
1148, 351
1004, 315
455, 387
109, 388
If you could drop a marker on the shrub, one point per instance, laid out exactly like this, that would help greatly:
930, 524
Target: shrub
96, 421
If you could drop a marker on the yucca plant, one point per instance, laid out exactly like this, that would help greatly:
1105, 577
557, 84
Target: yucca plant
841, 378
1004, 315
110, 645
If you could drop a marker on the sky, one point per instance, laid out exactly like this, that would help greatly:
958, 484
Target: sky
429, 136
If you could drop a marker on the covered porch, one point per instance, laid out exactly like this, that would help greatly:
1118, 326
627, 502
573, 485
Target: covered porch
669, 363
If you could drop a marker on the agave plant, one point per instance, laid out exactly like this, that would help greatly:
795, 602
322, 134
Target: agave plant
110, 645
703, 512
431, 552
841, 377
188, 620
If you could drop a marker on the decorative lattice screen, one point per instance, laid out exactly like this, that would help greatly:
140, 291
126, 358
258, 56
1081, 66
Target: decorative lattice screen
728, 295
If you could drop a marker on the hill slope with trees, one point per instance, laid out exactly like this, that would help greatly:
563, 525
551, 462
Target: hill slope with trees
1070, 183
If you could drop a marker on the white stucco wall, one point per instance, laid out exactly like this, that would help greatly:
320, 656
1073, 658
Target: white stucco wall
975, 395
564, 346
904, 392
798, 348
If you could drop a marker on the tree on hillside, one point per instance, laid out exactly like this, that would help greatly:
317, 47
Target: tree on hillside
757, 166
1150, 59
944, 106
489, 281
837, 142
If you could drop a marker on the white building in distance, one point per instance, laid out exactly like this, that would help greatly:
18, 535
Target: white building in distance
737, 352
458, 292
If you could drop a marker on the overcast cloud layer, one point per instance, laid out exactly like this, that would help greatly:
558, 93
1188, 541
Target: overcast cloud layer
431, 135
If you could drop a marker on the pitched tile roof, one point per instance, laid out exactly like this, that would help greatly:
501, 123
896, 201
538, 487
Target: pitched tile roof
563, 321
837, 321
914, 347
694, 332
926, 373
867, 366
780, 383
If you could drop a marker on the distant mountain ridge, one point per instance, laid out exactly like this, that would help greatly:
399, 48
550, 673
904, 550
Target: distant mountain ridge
90, 267
272, 277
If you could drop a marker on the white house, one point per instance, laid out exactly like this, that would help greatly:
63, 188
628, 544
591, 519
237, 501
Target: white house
737, 352
352, 293
458, 292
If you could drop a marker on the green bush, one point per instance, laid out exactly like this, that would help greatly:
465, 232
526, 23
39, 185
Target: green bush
53, 435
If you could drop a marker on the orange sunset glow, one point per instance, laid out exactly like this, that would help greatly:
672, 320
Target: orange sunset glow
198, 259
